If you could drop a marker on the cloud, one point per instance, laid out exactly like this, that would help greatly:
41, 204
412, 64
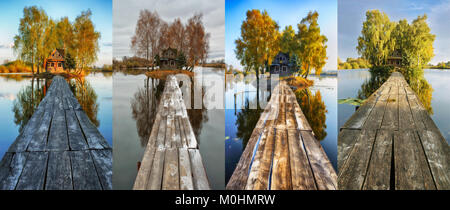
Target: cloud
126, 14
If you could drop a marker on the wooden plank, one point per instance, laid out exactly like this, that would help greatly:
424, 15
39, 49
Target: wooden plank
353, 172
186, 182
259, 173
437, 151
169, 126
11, 167
33, 174
301, 172
156, 174
39, 140
411, 167
346, 141
406, 121
418, 112
358, 119
324, 174
198, 171
103, 164
83, 171
281, 173
376, 115
171, 177
76, 137
58, 139
379, 172
391, 116
94, 139
59, 171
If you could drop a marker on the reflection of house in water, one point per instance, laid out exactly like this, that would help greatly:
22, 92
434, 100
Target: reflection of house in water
395, 59
168, 59
55, 61
282, 65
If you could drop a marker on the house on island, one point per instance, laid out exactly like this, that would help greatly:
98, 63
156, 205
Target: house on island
55, 61
282, 65
168, 59
395, 59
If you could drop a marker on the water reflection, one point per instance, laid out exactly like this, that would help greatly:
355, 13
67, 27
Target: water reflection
415, 79
30, 96
246, 122
314, 109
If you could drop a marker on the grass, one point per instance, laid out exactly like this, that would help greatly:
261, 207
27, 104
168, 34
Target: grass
162, 74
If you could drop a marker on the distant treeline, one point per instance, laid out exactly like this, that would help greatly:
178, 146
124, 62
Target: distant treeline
353, 63
440, 65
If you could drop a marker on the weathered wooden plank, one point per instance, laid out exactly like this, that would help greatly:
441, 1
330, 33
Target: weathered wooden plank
198, 171
33, 174
259, 173
406, 121
59, 171
281, 173
58, 139
354, 169
94, 139
156, 173
76, 137
391, 116
379, 172
346, 140
324, 174
186, 182
11, 167
411, 167
103, 164
376, 115
84, 174
437, 151
39, 140
301, 172
358, 119
171, 177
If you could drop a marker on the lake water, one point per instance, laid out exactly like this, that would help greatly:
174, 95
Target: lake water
350, 82
16, 107
240, 121
135, 99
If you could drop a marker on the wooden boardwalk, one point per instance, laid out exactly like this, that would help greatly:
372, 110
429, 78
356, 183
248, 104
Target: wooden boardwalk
391, 142
172, 160
282, 152
59, 148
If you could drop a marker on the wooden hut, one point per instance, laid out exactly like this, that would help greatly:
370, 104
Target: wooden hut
55, 61
168, 59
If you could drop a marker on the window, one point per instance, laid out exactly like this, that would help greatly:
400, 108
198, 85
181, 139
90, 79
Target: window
172, 63
284, 68
52, 65
59, 65
277, 68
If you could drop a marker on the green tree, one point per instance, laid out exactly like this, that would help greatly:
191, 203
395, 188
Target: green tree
375, 43
313, 50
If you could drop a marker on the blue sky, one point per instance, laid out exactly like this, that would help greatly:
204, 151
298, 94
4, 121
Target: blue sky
351, 14
284, 12
12, 12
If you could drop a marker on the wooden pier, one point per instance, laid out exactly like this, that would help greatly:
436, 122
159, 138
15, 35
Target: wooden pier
282, 152
391, 142
172, 160
58, 149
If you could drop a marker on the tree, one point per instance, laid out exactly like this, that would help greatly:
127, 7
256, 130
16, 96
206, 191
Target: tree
375, 43
27, 42
176, 35
146, 36
64, 32
197, 40
313, 50
181, 60
259, 41
85, 40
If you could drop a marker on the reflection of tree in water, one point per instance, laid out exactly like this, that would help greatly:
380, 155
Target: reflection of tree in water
246, 122
144, 106
371, 85
197, 116
27, 101
421, 87
314, 109
415, 79
86, 96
